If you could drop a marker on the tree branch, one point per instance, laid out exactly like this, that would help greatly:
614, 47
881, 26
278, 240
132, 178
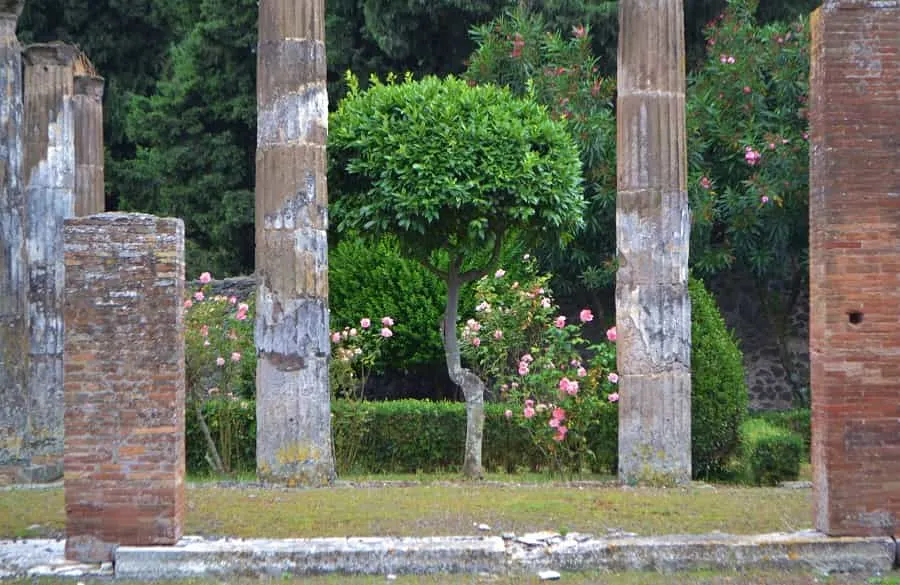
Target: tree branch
433, 269
471, 275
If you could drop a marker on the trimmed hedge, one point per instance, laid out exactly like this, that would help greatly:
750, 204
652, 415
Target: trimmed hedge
797, 420
769, 454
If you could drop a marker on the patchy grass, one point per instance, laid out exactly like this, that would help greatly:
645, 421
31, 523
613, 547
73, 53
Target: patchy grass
687, 578
448, 508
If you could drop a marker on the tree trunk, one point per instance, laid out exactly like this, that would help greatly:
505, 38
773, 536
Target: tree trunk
472, 387
13, 271
652, 236
293, 400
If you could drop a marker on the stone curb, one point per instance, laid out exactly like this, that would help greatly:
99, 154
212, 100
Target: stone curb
527, 554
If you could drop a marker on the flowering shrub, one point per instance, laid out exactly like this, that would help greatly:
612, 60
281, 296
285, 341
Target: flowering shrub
220, 366
354, 352
533, 356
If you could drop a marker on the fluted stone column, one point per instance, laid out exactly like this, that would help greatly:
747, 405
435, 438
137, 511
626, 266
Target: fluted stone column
89, 178
49, 193
652, 237
13, 271
293, 401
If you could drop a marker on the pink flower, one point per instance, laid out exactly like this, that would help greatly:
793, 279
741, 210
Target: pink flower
508, 413
365, 322
559, 414
578, 31
241, 316
586, 316
204, 331
243, 307
498, 334
751, 156
614, 397
499, 274
188, 304
523, 368
572, 390
771, 146
353, 332
611, 333
199, 296
385, 332
232, 300
545, 302
730, 60
528, 412
529, 402
205, 278
564, 384
473, 325
560, 434
554, 423
582, 372
336, 337
705, 182
805, 136
613, 378
235, 356
764, 199
527, 358
220, 361
559, 322
476, 341
747, 89
387, 321
514, 385
483, 306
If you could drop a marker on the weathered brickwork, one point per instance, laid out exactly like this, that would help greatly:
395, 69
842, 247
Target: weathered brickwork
855, 267
125, 385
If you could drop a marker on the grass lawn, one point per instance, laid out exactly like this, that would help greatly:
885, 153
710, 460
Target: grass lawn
693, 578
432, 508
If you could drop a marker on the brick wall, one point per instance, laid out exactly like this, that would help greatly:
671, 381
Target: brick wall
855, 267
124, 383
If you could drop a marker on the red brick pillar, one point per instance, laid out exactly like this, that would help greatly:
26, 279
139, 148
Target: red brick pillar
124, 383
855, 266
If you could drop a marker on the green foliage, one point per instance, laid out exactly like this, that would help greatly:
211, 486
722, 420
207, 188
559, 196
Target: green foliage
769, 454
373, 280
444, 166
196, 137
232, 424
797, 420
718, 388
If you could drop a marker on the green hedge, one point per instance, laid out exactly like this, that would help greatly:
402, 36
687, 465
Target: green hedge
797, 420
769, 454
398, 436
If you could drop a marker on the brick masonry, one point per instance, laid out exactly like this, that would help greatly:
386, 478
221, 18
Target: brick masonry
124, 383
855, 267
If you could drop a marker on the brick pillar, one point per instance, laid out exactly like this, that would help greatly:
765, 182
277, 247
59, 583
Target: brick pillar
855, 267
89, 180
13, 272
49, 173
125, 384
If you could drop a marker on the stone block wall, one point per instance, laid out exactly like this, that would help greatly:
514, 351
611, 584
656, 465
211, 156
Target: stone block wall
855, 267
124, 383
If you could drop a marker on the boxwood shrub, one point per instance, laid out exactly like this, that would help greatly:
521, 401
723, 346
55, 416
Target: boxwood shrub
769, 454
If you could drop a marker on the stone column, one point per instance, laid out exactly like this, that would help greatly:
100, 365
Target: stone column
125, 383
653, 311
854, 225
88, 112
13, 271
293, 417
49, 194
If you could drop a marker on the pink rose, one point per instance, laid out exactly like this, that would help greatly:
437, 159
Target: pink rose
527, 358
205, 278
476, 341
335, 337
559, 322
614, 397
498, 334
564, 384
559, 414
365, 323
508, 413
232, 300
582, 372
554, 423
499, 274
523, 368
572, 390
586, 316
188, 304
235, 356
241, 316
385, 332
705, 183
387, 321
764, 199
199, 296
613, 378
353, 332
529, 402
560, 434
611, 333
528, 412
545, 302
220, 361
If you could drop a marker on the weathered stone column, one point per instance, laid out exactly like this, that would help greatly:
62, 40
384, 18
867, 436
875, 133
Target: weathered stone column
854, 229
49, 193
88, 112
125, 383
292, 396
13, 271
653, 313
